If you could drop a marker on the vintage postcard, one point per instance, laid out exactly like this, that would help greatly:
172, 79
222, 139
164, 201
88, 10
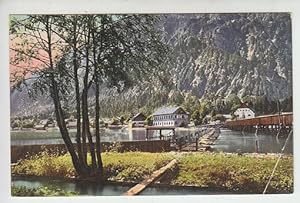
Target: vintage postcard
151, 104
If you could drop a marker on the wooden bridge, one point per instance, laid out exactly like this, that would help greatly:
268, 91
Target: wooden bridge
266, 121
190, 141
160, 129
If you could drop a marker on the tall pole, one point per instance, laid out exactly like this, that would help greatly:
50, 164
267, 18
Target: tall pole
278, 108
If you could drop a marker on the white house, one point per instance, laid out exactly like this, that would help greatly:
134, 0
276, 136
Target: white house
171, 116
244, 112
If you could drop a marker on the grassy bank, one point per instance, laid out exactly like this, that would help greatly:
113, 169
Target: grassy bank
215, 170
130, 167
40, 191
235, 173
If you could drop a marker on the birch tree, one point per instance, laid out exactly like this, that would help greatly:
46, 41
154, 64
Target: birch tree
73, 54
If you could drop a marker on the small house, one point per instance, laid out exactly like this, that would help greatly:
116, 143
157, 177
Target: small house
171, 116
139, 120
244, 112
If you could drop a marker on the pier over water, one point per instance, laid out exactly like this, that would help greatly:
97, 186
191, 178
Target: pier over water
274, 121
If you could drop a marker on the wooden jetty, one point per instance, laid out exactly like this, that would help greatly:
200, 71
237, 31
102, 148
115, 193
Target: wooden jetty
274, 121
160, 129
201, 140
204, 142
154, 177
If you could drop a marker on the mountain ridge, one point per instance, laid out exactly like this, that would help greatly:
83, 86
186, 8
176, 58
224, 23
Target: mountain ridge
213, 56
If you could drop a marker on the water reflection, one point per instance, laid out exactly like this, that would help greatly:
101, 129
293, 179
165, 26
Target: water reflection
94, 189
83, 188
228, 141
235, 141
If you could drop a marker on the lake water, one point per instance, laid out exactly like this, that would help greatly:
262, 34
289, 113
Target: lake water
228, 141
94, 189
107, 135
236, 141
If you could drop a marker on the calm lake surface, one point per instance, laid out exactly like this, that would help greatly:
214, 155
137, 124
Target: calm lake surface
94, 189
228, 141
236, 141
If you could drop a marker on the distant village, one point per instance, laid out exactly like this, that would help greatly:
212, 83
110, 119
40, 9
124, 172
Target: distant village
174, 116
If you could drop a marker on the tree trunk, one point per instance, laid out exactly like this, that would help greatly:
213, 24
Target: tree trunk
97, 134
85, 116
97, 108
82, 159
58, 110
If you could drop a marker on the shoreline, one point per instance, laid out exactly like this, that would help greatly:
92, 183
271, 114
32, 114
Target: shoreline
217, 171
131, 184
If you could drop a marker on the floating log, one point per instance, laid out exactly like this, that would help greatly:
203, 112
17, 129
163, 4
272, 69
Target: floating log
145, 183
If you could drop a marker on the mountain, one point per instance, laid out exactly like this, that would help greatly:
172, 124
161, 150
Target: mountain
216, 55
213, 56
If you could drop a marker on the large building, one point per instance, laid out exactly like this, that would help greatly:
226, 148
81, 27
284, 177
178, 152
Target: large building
171, 116
244, 112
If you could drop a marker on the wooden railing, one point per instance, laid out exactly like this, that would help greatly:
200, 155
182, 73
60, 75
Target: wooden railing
285, 119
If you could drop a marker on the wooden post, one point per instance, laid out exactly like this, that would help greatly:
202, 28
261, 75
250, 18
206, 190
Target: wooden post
179, 143
256, 146
147, 136
174, 137
160, 134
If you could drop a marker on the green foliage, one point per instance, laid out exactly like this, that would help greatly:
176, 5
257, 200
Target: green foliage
129, 166
46, 164
132, 166
233, 100
190, 103
201, 110
236, 173
176, 98
215, 170
40, 191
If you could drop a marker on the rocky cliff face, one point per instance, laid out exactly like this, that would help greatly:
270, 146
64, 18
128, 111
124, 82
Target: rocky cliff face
219, 54
215, 55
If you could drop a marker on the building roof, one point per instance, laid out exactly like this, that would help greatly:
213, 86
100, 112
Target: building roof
139, 117
168, 110
244, 105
